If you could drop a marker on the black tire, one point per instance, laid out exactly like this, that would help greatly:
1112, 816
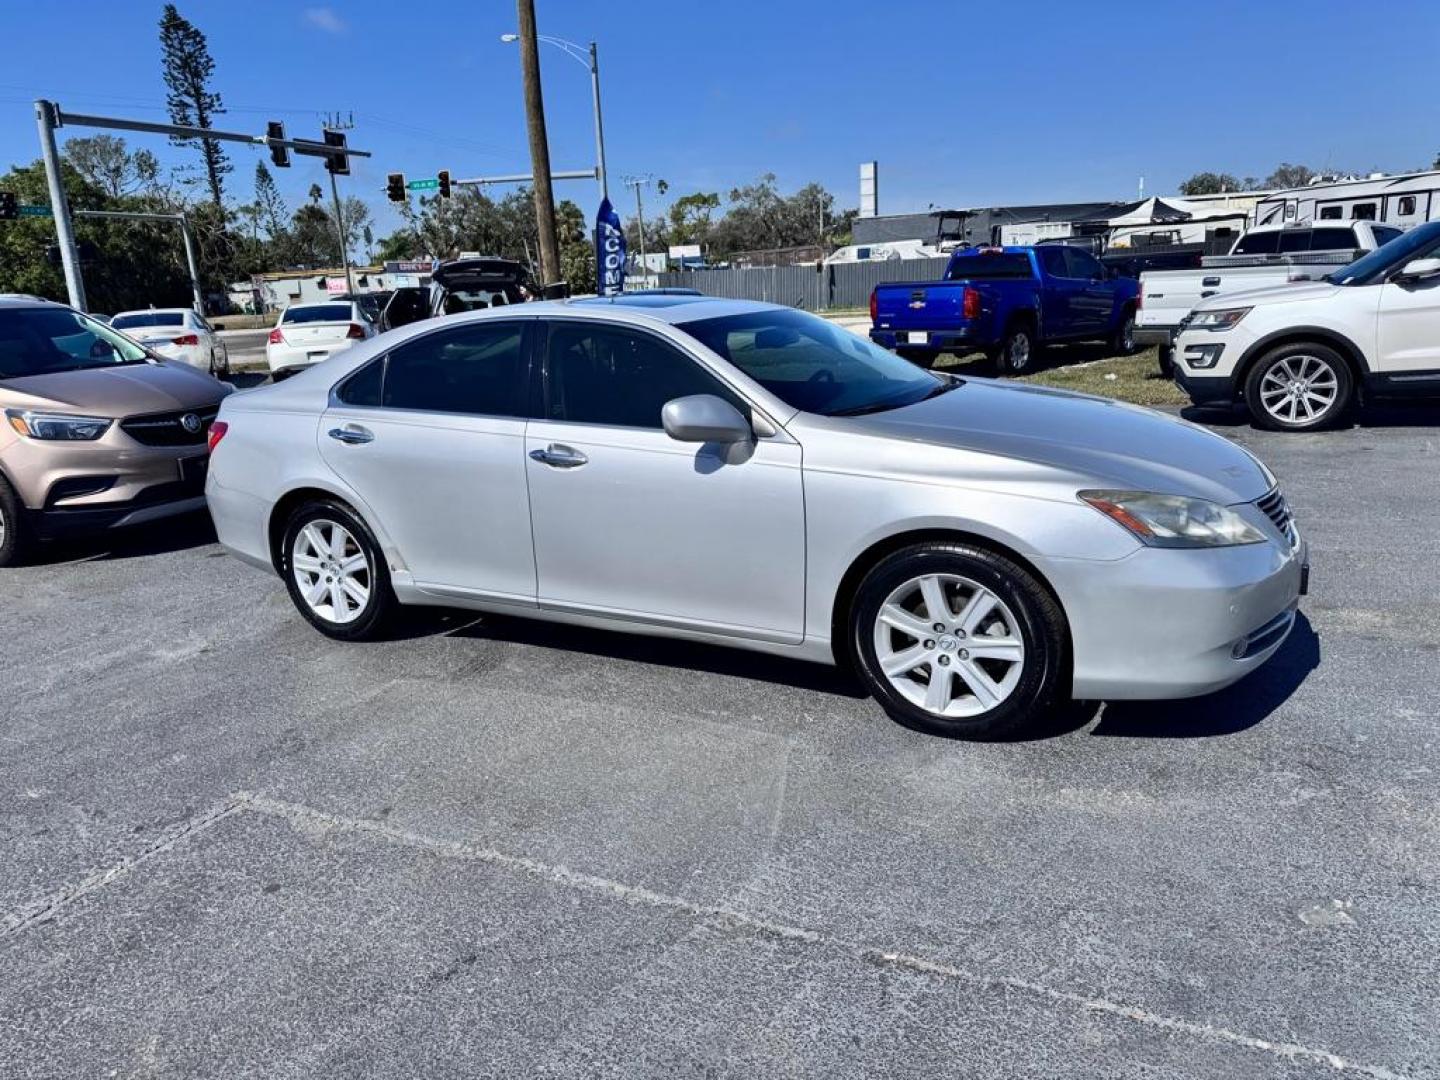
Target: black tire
15, 536
1040, 622
924, 358
1167, 361
1122, 342
1324, 369
1018, 350
378, 613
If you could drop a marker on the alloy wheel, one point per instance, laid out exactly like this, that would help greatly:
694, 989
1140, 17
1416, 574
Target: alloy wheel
332, 571
1017, 355
949, 645
1299, 389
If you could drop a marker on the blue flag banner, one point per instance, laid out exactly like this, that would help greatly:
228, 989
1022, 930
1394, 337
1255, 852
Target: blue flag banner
609, 251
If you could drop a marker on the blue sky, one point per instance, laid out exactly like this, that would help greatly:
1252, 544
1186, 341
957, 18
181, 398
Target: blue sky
961, 103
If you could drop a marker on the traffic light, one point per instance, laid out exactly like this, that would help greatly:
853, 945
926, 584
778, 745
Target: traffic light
444, 177
8, 210
395, 187
338, 163
280, 155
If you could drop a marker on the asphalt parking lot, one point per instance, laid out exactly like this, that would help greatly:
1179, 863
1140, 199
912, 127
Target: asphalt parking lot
231, 847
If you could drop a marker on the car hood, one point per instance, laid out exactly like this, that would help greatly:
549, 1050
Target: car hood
118, 391
1282, 294
1104, 443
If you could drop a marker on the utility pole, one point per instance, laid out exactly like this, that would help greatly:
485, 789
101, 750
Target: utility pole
599, 125
539, 143
340, 229
637, 182
64, 230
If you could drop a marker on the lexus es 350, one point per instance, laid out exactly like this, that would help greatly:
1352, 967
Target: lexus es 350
751, 475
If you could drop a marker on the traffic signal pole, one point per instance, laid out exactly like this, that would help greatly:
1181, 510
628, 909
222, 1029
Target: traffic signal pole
60, 207
344, 246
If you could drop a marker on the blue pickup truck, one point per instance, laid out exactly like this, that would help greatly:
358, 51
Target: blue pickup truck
1007, 302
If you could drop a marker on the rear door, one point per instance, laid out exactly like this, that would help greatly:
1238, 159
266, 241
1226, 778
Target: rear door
1057, 291
431, 436
1094, 296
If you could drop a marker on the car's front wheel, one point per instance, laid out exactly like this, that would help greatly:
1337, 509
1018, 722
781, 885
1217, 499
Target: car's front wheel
14, 529
956, 640
336, 572
1299, 387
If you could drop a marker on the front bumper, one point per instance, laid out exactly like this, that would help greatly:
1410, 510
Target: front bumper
1167, 623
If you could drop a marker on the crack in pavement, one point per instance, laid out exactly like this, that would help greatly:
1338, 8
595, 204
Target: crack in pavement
311, 822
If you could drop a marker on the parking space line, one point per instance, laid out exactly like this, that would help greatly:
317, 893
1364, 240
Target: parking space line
313, 821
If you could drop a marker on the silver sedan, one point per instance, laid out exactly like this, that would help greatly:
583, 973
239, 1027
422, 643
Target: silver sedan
753, 476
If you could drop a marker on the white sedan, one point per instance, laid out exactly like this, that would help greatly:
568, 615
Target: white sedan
309, 333
176, 334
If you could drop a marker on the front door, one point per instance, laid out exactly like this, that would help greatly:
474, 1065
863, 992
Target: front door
432, 439
631, 523
1408, 338
1094, 296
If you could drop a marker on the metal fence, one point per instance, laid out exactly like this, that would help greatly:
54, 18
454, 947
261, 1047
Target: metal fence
843, 285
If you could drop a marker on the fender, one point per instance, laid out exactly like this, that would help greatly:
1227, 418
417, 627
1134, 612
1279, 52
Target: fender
1323, 334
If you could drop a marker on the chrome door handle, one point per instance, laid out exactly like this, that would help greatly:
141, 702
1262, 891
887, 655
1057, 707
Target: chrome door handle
559, 456
351, 436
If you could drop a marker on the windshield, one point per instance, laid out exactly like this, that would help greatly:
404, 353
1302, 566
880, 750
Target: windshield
148, 318
814, 365
317, 313
42, 341
1369, 268
987, 264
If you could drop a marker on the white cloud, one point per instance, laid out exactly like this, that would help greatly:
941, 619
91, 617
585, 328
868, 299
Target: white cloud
324, 18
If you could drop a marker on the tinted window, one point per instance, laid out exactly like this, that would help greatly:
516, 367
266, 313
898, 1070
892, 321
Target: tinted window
1364, 211
812, 364
477, 369
1052, 260
364, 386
610, 375
1082, 264
1258, 243
1334, 240
1331, 213
312, 313
1414, 244
148, 318
1384, 234
987, 264
1294, 240
42, 340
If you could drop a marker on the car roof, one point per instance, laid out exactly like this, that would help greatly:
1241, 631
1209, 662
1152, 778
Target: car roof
668, 307
22, 300
156, 311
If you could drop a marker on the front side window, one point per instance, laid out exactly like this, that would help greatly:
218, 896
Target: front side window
814, 365
620, 377
46, 340
477, 369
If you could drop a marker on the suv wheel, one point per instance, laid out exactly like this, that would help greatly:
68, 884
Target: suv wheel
958, 641
336, 572
1299, 387
14, 530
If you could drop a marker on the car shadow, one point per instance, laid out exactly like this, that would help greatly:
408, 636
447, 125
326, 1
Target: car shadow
1415, 412
247, 380
156, 538
1226, 712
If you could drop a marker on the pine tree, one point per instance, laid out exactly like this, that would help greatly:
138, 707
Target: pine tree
188, 68
273, 211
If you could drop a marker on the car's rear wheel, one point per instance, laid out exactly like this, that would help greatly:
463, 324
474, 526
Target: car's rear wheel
959, 641
1299, 387
336, 572
1122, 342
1017, 352
15, 538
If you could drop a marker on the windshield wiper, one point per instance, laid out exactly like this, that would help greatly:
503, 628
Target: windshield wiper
885, 406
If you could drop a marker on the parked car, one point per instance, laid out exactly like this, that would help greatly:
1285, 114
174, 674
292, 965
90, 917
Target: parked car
1008, 302
746, 474
176, 334
459, 286
98, 432
306, 334
1266, 255
1299, 356
371, 303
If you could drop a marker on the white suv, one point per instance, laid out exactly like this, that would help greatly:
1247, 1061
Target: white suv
1299, 355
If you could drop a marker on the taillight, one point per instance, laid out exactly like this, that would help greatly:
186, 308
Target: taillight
356, 331
276, 337
185, 339
970, 303
874, 305
217, 432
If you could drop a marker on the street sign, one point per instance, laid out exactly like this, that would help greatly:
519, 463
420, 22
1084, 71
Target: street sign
36, 211
424, 185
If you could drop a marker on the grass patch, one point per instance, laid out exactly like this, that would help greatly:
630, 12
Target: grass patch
1088, 370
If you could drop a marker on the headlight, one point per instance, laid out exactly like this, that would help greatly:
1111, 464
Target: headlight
1173, 521
1219, 319
57, 426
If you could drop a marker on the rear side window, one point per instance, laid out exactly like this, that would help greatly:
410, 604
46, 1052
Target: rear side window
313, 313
1052, 260
364, 388
985, 264
1334, 240
1259, 243
478, 369
1083, 265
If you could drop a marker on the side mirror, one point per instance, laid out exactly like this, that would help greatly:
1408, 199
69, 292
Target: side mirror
703, 418
1419, 270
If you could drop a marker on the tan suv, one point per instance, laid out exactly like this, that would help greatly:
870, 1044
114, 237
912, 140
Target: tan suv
96, 432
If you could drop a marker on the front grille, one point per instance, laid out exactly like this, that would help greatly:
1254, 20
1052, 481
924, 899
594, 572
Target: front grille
168, 429
1274, 506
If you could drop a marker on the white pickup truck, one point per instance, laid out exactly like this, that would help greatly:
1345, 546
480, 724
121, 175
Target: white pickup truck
1266, 255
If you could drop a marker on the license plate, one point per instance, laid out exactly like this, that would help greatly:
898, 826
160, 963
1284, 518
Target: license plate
316, 356
193, 469
917, 337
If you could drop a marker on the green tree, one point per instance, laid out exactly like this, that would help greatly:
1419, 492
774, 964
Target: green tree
691, 217
1209, 183
268, 200
188, 68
